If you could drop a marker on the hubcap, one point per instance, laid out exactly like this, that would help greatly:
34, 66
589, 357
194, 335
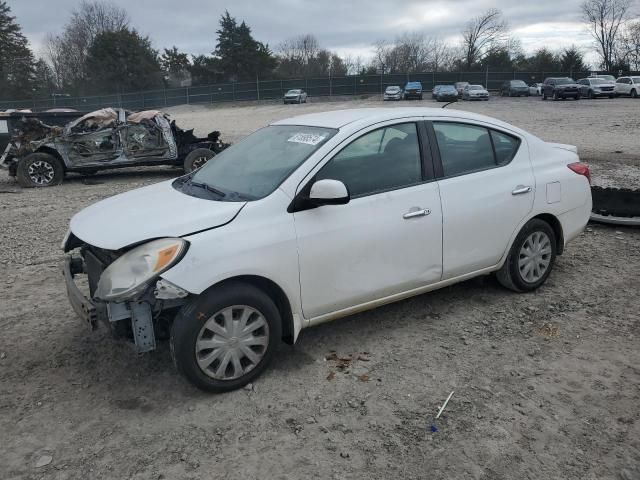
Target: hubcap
200, 161
41, 172
535, 257
232, 342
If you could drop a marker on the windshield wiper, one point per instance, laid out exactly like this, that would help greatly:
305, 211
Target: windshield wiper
206, 187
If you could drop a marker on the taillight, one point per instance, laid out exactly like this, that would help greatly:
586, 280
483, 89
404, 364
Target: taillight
581, 169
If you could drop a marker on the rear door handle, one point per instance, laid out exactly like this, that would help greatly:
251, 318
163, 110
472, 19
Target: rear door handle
416, 212
520, 189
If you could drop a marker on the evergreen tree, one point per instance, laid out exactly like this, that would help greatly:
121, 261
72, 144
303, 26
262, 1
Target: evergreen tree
16, 58
238, 55
123, 61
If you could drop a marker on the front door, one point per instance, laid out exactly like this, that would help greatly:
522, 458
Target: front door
386, 240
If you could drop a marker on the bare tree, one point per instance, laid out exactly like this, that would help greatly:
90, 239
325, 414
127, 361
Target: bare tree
297, 53
67, 52
482, 35
628, 51
605, 18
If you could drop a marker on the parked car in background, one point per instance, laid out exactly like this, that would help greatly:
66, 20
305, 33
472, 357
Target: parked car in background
560, 88
514, 88
447, 93
475, 92
594, 87
232, 264
460, 87
434, 92
609, 78
536, 89
413, 90
628, 86
392, 93
296, 95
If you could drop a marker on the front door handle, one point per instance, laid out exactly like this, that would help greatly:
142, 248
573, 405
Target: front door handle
520, 189
416, 212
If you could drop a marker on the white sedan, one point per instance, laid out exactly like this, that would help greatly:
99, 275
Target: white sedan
317, 217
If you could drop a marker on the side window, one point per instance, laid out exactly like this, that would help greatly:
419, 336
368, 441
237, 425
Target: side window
469, 148
384, 159
505, 147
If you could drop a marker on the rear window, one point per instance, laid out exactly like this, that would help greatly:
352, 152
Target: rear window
518, 83
468, 148
564, 81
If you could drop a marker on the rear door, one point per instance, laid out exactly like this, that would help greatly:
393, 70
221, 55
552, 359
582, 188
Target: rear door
487, 188
388, 238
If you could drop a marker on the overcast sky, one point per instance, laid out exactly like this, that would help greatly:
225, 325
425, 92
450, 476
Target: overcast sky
347, 26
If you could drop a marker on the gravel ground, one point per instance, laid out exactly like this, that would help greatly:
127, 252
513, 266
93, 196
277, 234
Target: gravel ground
547, 385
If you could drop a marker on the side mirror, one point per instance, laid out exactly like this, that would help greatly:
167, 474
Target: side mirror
329, 192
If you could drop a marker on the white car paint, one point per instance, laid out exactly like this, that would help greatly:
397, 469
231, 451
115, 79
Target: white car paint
338, 259
628, 85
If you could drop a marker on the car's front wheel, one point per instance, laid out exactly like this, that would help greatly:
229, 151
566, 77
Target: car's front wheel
197, 158
634, 94
530, 259
40, 170
225, 337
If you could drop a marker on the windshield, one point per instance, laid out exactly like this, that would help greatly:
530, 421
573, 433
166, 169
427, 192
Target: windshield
447, 88
598, 81
393, 89
607, 77
476, 87
254, 167
564, 81
518, 83
636, 79
293, 92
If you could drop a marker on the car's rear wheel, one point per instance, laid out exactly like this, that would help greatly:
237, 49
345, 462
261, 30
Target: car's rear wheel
591, 95
225, 337
531, 258
40, 170
197, 159
634, 94
555, 96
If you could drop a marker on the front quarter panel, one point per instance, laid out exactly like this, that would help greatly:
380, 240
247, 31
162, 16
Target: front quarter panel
260, 241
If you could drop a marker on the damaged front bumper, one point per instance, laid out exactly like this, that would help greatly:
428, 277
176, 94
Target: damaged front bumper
137, 317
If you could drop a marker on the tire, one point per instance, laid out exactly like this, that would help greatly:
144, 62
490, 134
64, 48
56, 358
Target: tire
577, 97
590, 95
555, 96
197, 158
40, 170
189, 330
634, 94
511, 275
612, 96
543, 96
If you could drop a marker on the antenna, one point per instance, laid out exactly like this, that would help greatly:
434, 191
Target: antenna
449, 103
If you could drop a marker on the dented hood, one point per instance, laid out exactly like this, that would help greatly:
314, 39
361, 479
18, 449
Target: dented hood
146, 213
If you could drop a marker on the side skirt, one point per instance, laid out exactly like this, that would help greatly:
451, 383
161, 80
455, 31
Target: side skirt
398, 296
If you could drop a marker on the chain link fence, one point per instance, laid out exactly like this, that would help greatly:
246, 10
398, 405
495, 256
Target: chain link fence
352, 85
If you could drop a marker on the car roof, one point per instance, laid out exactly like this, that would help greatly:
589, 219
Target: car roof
369, 116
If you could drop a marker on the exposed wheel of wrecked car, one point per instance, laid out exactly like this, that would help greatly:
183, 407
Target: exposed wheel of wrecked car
530, 259
40, 170
197, 159
225, 337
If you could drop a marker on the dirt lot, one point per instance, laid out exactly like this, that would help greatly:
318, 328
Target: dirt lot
547, 385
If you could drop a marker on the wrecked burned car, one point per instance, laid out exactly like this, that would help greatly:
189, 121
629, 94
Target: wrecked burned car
317, 217
40, 155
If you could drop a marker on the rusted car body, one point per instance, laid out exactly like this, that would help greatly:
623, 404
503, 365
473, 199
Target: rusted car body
40, 154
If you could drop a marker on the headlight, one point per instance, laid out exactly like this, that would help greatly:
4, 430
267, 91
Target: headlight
130, 274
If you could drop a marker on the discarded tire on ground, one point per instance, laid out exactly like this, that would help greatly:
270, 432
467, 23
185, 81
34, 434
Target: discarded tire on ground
617, 206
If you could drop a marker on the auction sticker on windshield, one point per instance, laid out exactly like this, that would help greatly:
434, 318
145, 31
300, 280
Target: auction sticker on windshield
308, 138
